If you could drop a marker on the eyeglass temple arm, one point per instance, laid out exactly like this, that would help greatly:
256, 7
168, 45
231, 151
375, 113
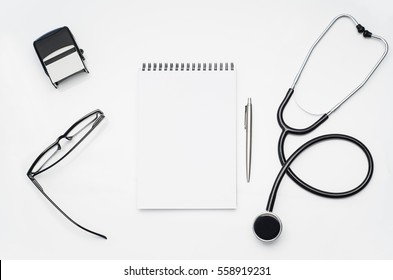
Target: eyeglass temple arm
39, 187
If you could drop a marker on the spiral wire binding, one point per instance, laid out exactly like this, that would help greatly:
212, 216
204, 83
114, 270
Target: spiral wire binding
188, 66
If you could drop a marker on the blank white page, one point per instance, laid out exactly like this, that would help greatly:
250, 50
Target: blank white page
186, 139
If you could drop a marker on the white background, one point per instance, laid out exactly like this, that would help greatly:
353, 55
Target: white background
268, 41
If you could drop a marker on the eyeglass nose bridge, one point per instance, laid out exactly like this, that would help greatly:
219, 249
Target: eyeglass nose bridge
62, 141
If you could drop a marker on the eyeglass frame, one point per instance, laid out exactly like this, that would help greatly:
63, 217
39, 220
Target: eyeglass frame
31, 175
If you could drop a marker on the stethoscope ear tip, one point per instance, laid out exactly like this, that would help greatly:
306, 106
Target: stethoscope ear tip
267, 227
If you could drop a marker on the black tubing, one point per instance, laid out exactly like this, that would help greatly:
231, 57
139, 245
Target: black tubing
286, 130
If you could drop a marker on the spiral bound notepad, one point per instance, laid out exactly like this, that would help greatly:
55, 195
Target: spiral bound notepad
186, 136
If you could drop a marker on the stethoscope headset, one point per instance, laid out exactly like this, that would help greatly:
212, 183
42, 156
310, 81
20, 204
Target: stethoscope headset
268, 226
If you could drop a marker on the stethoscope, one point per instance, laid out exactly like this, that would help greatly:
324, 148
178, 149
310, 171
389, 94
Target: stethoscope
268, 226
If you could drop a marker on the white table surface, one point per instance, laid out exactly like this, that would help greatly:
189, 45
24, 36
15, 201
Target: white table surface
268, 41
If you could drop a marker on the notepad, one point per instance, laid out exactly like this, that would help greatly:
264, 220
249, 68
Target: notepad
186, 136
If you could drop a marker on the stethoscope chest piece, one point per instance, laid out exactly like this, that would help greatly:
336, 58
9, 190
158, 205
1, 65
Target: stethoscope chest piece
267, 227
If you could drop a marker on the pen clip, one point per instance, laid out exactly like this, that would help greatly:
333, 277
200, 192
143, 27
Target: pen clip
245, 117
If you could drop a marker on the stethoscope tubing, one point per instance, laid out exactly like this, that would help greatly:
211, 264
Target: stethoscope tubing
285, 169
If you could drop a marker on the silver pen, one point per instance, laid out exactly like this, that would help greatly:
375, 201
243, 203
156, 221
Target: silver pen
248, 128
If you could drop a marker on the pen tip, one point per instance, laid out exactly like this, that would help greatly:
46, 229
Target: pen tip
249, 100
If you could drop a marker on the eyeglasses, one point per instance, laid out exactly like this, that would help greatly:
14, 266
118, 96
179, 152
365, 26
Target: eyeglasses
62, 147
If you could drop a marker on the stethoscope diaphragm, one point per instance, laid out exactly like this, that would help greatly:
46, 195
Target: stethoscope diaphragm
267, 227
